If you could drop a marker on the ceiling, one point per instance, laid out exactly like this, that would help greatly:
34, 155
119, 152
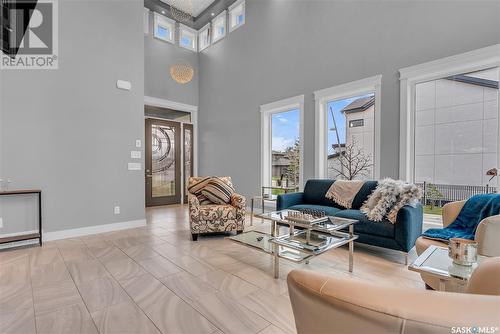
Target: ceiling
193, 7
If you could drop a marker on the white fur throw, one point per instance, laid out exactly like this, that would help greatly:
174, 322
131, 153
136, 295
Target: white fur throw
390, 196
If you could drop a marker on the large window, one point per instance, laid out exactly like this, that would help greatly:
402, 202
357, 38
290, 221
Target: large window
285, 145
219, 27
204, 37
188, 37
164, 28
348, 130
282, 147
350, 143
236, 15
456, 134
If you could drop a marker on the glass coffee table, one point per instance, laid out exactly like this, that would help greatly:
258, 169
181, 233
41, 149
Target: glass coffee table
303, 240
435, 262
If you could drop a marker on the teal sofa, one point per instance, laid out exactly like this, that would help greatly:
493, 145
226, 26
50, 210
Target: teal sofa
400, 236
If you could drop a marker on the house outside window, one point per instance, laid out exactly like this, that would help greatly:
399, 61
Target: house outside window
236, 15
219, 27
204, 37
188, 38
164, 28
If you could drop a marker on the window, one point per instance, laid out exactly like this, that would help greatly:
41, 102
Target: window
282, 147
204, 37
145, 20
348, 130
236, 15
188, 38
456, 134
350, 148
164, 28
219, 27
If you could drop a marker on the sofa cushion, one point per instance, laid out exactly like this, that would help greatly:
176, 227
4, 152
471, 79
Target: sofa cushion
329, 211
363, 194
315, 191
384, 228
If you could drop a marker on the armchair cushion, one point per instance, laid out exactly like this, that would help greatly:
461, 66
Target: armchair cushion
238, 201
217, 191
487, 234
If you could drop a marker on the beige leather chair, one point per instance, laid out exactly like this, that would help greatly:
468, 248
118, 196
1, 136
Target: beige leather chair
324, 304
487, 236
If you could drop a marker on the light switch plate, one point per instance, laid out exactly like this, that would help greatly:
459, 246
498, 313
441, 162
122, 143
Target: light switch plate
1, 222
135, 154
138, 143
134, 166
122, 84
117, 210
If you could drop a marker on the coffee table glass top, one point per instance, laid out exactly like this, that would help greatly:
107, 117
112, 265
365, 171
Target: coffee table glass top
262, 241
331, 224
435, 261
315, 243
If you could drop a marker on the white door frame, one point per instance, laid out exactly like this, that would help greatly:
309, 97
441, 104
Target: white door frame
193, 110
322, 97
471, 61
266, 111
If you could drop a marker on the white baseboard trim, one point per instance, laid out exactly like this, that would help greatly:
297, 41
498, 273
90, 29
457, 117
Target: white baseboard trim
79, 232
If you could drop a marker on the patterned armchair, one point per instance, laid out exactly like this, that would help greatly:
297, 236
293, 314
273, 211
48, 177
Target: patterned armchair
215, 218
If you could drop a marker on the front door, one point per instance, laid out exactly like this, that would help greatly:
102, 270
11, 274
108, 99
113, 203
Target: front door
163, 165
188, 156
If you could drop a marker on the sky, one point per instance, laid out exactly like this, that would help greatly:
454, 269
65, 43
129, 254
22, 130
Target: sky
285, 129
285, 125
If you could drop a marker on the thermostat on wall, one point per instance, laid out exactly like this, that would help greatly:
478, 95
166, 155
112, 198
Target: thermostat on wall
122, 84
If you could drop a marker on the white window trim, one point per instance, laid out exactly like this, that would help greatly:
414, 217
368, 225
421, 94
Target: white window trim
164, 18
205, 27
350, 89
146, 23
266, 111
472, 61
224, 15
192, 31
230, 10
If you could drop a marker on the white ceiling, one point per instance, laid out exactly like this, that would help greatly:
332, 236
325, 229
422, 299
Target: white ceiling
193, 7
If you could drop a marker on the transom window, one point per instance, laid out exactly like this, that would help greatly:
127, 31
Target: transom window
187, 37
236, 15
219, 27
164, 28
204, 37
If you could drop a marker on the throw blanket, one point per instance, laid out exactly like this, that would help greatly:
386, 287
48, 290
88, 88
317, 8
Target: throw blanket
390, 196
343, 192
474, 211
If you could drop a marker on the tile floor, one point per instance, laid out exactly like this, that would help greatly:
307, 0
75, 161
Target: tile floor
154, 279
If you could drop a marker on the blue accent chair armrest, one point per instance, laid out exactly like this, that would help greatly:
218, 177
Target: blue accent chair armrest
285, 201
408, 226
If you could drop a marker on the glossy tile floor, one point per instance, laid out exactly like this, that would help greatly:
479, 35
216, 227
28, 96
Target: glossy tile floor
154, 279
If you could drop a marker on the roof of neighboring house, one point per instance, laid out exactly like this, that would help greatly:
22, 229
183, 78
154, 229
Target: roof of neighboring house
281, 162
474, 81
360, 104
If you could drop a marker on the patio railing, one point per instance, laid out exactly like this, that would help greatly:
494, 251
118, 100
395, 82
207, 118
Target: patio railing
452, 192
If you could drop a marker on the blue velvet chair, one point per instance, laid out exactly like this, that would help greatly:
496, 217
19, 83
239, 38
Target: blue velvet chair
400, 236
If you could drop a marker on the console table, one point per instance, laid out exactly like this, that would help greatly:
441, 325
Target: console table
30, 236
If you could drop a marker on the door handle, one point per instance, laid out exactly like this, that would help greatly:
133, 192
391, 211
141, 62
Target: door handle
149, 175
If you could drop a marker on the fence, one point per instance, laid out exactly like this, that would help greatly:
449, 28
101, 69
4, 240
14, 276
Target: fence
452, 192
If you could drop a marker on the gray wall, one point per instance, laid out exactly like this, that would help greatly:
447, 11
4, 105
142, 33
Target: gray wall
287, 48
158, 57
70, 131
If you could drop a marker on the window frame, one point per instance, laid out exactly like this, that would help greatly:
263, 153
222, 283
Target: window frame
222, 16
146, 21
231, 10
410, 76
323, 97
206, 28
183, 28
266, 112
158, 19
